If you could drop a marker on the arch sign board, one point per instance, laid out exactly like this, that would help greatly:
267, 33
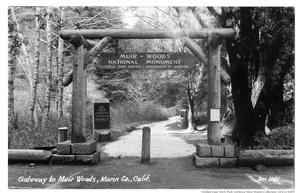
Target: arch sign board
146, 61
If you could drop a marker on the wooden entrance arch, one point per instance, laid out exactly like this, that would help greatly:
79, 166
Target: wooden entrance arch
85, 52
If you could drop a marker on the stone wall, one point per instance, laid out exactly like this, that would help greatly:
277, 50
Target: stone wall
228, 156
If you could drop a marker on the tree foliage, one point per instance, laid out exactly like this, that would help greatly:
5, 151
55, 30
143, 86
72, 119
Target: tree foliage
265, 42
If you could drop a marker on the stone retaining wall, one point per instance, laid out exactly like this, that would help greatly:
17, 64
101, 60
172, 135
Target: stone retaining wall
228, 156
214, 156
76, 153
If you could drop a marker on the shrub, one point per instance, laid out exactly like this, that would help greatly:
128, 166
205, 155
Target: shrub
125, 113
261, 141
173, 111
228, 117
28, 135
126, 117
128, 114
154, 112
279, 138
201, 118
282, 137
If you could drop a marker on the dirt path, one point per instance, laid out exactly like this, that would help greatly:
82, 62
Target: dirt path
164, 144
171, 167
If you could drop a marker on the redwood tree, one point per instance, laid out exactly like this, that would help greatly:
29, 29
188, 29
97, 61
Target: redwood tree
14, 43
60, 55
49, 68
36, 64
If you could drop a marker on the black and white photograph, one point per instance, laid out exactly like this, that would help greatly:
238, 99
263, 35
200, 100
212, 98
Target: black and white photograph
151, 97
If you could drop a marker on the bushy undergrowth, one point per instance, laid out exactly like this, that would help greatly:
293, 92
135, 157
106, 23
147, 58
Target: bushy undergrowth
173, 111
154, 112
29, 135
279, 138
201, 118
124, 118
127, 113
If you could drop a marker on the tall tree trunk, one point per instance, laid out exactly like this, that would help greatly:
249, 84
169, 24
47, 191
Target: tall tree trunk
11, 99
13, 50
191, 115
23, 46
258, 85
239, 52
60, 54
262, 55
36, 69
277, 107
49, 69
271, 97
56, 78
260, 96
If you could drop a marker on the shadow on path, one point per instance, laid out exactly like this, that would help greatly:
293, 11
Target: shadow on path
188, 137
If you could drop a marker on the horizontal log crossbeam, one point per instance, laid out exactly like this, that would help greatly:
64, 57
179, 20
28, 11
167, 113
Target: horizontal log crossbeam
201, 33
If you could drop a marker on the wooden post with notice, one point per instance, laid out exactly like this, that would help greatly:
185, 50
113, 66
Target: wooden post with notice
146, 145
214, 92
78, 93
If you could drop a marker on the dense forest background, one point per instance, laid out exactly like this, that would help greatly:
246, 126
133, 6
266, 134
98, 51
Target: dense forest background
257, 97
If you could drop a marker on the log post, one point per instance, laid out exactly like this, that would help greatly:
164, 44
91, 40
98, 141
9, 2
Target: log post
146, 145
84, 98
78, 93
214, 91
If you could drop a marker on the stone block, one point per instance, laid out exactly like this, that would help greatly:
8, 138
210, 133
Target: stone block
85, 148
217, 151
229, 151
64, 148
62, 159
203, 150
92, 159
205, 161
228, 162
